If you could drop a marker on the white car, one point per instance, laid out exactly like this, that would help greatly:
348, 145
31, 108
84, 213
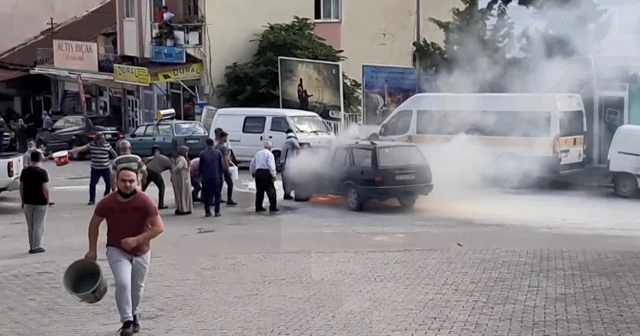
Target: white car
10, 168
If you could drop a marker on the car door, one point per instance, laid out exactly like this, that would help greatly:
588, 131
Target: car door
137, 140
277, 131
148, 139
56, 140
361, 172
164, 138
252, 138
333, 180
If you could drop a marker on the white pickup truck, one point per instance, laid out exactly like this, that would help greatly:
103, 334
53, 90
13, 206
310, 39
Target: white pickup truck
10, 168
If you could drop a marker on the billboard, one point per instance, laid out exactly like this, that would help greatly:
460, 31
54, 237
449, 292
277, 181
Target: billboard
311, 85
384, 88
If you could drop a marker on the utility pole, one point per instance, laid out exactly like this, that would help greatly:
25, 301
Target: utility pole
52, 24
418, 39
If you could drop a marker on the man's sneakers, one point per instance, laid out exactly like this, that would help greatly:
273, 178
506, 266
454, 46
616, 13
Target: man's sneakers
288, 197
231, 203
37, 250
130, 327
91, 203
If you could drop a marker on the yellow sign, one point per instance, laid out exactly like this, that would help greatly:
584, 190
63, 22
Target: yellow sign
131, 74
192, 72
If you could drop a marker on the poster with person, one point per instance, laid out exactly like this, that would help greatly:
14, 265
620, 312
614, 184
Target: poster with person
384, 88
311, 85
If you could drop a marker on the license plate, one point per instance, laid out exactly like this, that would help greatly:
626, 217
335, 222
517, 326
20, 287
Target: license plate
405, 177
193, 141
108, 136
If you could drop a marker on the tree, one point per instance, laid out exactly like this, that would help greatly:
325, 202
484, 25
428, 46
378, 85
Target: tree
255, 83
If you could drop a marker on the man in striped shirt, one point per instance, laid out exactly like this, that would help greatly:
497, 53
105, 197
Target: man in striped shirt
128, 160
99, 150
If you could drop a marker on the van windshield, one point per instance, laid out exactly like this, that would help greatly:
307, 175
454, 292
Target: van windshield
309, 124
400, 156
484, 123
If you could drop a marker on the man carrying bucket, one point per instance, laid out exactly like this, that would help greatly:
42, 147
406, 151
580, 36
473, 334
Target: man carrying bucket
133, 221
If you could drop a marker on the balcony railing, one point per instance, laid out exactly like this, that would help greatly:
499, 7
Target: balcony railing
184, 34
44, 58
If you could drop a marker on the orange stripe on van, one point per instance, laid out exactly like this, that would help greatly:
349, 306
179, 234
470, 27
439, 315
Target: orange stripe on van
485, 141
571, 142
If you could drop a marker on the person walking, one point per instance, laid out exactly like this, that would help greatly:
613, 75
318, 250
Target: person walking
263, 169
211, 169
34, 194
194, 167
226, 159
99, 150
290, 150
180, 181
156, 165
126, 159
132, 222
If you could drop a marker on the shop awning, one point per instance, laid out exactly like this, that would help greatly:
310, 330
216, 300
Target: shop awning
71, 74
144, 76
11, 74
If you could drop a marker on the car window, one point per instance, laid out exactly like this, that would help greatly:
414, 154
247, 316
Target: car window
341, 158
105, 121
400, 156
399, 124
140, 131
164, 130
279, 124
151, 131
362, 157
254, 125
189, 128
62, 123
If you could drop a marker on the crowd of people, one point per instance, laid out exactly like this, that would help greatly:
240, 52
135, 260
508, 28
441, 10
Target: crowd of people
132, 217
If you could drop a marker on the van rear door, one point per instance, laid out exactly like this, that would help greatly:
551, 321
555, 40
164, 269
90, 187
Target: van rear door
570, 144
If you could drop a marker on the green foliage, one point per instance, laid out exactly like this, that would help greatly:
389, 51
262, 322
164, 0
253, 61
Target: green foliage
255, 83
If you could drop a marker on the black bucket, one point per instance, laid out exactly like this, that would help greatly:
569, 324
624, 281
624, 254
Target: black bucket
85, 281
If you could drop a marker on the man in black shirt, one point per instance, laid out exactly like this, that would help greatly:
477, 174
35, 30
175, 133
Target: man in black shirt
34, 193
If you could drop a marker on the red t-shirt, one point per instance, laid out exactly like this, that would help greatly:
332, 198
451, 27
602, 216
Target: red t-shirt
127, 219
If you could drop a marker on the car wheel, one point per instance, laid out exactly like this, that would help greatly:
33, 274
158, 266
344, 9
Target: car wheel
353, 198
155, 151
407, 202
300, 196
625, 185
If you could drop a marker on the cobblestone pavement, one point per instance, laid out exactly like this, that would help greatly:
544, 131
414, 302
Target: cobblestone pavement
430, 292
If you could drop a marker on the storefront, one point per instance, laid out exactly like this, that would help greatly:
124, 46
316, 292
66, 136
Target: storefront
160, 88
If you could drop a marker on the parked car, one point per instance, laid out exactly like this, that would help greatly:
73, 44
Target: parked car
165, 136
73, 131
624, 161
10, 169
361, 171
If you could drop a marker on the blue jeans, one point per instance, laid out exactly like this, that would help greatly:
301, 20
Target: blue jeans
229, 181
211, 194
96, 174
195, 193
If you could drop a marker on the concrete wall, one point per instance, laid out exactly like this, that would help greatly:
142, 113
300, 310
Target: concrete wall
21, 20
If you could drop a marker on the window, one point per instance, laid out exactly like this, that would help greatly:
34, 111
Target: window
362, 157
309, 124
129, 9
328, 9
105, 121
341, 158
399, 124
151, 131
164, 130
140, 131
62, 123
400, 156
279, 124
484, 123
571, 123
254, 125
189, 129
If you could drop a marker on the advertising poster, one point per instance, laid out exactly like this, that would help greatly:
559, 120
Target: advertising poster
384, 88
311, 85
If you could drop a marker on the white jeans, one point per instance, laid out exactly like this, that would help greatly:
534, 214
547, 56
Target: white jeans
130, 273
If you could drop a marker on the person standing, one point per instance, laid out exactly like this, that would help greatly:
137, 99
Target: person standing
263, 169
47, 122
195, 179
211, 169
126, 159
180, 181
34, 193
26, 158
132, 222
156, 165
99, 150
226, 159
290, 150
3, 129
21, 136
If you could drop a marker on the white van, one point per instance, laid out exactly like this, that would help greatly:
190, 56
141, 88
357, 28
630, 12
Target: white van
548, 129
249, 128
624, 160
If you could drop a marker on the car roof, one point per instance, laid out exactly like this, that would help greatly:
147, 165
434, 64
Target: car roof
373, 144
264, 111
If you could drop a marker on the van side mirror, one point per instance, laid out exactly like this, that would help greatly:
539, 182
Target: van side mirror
384, 129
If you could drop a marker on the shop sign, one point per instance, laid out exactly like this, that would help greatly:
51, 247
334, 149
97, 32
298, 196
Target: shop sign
131, 74
75, 55
185, 73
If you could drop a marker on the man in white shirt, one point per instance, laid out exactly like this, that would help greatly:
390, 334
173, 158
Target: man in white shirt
166, 14
263, 169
